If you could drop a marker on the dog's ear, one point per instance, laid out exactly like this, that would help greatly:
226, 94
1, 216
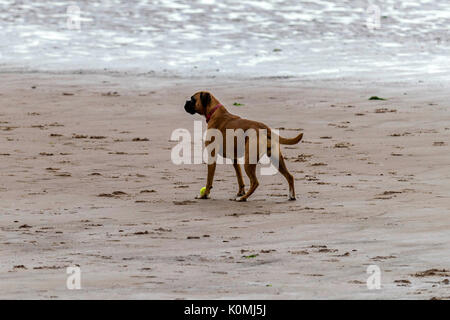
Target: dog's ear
205, 98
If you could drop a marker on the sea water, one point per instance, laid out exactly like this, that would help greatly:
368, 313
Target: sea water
229, 38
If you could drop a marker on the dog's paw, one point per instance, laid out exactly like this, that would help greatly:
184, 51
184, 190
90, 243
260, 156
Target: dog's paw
240, 193
291, 195
203, 197
241, 199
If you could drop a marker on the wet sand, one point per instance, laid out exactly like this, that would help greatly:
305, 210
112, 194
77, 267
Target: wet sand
86, 179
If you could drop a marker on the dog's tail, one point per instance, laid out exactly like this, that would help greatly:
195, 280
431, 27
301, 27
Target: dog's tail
291, 140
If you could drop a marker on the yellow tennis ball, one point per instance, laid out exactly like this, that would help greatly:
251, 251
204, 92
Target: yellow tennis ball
202, 191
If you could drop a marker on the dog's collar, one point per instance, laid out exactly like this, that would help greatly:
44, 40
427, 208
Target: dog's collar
209, 115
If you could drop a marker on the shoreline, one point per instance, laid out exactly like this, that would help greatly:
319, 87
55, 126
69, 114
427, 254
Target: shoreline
360, 77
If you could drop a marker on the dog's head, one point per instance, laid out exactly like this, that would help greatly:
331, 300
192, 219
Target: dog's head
199, 103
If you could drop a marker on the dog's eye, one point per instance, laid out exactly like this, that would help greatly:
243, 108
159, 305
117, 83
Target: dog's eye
193, 99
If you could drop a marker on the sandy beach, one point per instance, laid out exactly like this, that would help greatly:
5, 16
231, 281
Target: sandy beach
86, 180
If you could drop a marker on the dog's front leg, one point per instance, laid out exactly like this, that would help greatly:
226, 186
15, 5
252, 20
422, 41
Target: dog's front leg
209, 181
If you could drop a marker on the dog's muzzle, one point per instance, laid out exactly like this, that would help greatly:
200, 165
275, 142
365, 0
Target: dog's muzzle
189, 107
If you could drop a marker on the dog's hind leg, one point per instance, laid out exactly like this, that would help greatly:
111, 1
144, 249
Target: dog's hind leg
250, 170
290, 179
240, 180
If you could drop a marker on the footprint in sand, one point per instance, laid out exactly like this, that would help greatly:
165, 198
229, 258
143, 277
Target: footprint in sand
111, 94
183, 203
381, 258
63, 174
148, 191
384, 110
402, 283
432, 273
79, 136
341, 145
301, 252
19, 267
318, 164
115, 194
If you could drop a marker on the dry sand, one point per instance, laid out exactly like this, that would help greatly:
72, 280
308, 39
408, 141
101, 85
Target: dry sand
78, 188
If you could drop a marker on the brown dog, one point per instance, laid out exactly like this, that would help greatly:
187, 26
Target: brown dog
219, 118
